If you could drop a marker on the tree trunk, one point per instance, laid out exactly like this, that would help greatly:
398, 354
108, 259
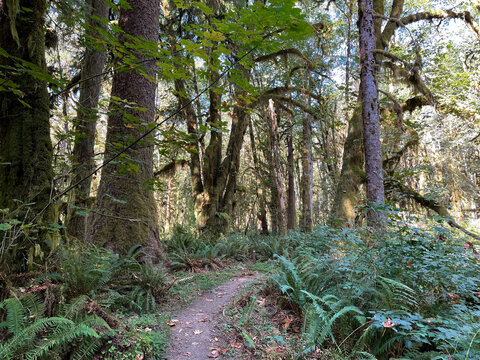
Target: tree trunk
370, 116
168, 206
280, 201
262, 212
83, 151
127, 210
352, 175
192, 148
25, 147
306, 190
210, 217
291, 210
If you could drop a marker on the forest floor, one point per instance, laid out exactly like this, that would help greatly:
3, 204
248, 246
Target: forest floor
196, 332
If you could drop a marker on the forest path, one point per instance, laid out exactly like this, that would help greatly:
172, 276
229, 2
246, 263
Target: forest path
196, 335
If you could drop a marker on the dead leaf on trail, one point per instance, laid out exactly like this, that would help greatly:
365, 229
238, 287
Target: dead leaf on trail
197, 332
194, 343
217, 352
188, 322
203, 320
214, 354
287, 321
187, 354
171, 323
208, 299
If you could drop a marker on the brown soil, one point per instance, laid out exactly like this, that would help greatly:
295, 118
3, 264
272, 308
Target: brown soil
196, 334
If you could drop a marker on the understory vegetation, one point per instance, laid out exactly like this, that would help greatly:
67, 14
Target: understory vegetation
151, 150
330, 294
415, 298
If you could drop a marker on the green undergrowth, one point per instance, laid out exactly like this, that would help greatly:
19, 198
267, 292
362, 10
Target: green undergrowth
330, 294
335, 295
86, 302
90, 302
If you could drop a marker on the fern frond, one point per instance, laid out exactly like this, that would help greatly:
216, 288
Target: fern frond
62, 336
25, 335
86, 349
403, 294
15, 314
76, 305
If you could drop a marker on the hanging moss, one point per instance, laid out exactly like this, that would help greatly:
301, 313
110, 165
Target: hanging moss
13, 7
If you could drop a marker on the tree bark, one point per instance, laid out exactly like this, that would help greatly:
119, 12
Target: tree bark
83, 151
291, 209
25, 147
262, 212
370, 117
127, 207
352, 176
306, 192
280, 212
192, 148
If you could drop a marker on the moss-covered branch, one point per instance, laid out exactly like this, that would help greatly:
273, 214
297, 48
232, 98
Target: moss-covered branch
286, 52
172, 168
428, 203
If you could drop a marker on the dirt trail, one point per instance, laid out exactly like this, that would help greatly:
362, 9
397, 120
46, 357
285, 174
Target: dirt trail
195, 332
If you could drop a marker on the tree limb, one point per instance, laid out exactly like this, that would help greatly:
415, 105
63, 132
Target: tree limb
441, 15
411, 77
171, 168
285, 52
281, 90
430, 204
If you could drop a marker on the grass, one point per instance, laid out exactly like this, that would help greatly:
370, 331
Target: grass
263, 267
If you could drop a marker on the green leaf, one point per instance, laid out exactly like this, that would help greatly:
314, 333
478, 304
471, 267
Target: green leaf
204, 8
5, 226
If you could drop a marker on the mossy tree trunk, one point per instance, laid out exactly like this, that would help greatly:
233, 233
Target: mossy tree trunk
262, 211
83, 151
348, 195
214, 176
126, 207
25, 146
306, 189
281, 210
352, 176
291, 202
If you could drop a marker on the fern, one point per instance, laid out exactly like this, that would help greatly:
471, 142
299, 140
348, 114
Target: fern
33, 337
325, 311
398, 295
289, 281
23, 338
